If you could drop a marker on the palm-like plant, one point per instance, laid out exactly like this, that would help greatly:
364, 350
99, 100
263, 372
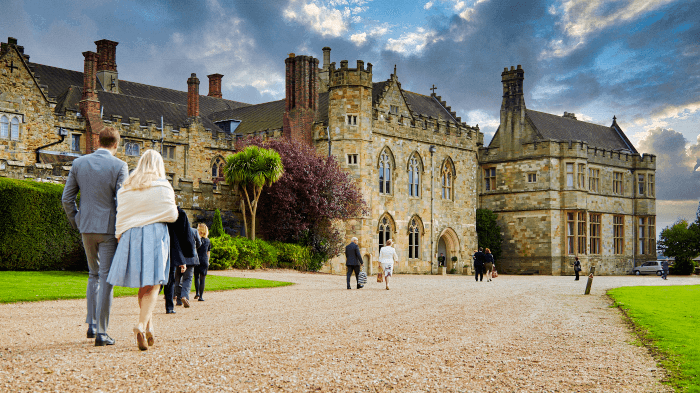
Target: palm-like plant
253, 168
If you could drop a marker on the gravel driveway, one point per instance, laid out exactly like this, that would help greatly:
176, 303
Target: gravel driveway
428, 333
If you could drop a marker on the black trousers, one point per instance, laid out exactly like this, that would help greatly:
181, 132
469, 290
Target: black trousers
576, 275
353, 268
200, 276
479, 273
169, 289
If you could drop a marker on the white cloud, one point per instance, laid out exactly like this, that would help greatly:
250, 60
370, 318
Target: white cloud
412, 42
582, 18
359, 38
428, 5
321, 19
466, 12
662, 118
377, 31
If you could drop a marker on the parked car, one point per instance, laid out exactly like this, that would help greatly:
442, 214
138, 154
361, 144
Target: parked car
649, 267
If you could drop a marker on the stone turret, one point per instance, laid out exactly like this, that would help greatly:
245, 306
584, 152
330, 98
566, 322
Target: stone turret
512, 110
350, 100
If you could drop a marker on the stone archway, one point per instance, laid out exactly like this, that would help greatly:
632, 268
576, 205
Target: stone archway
448, 243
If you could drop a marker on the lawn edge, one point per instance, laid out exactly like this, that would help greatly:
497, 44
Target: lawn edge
663, 358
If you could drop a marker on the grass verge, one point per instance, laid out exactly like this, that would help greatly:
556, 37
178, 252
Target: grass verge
667, 320
55, 285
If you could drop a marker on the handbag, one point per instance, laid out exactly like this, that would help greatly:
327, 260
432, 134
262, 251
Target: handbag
380, 277
495, 273
362, 278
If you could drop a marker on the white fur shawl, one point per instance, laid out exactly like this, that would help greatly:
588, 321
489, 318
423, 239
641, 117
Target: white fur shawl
137, 208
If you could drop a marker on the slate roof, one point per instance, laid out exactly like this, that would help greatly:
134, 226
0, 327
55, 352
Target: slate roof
420, 104
555, 127
134, 100
266, 116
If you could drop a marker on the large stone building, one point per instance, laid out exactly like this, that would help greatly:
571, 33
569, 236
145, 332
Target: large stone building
419, 167
563, 188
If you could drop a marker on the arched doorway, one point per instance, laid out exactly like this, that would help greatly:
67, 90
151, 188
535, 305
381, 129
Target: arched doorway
448, 243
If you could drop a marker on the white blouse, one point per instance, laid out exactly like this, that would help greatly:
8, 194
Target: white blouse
388, 255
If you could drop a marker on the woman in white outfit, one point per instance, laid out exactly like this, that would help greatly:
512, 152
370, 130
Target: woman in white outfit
146, 203
387, 257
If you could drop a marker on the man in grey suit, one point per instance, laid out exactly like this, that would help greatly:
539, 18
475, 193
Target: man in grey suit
353, 261
97, 177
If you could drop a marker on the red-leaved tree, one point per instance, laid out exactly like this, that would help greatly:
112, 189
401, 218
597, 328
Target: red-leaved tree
312, 194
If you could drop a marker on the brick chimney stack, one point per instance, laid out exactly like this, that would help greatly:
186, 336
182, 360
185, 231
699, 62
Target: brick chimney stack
215, 85
301, 101
90, 104
193, 96
107, 65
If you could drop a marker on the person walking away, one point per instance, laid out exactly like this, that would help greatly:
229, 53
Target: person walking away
146, 203
479, 258
387, 257
577, 267
353, 262
97, 177
488, 264
664, 268
183, 277
441, 260
203, 252
182, 251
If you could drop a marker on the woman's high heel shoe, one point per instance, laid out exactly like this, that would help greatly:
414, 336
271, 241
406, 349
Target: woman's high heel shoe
149, 335
140, 338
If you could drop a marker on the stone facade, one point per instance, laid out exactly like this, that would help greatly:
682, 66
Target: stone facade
557, 198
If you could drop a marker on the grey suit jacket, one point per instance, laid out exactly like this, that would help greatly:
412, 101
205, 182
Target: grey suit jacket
352, 255
97, 177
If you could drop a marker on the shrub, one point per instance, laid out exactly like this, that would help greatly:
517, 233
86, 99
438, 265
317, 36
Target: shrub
35, 233
217, 227
293, 256
248, 253
682, 267
224, 253
267, 253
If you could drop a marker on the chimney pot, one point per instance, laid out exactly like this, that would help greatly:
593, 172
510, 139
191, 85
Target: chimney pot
512, 68
520, 67
291, 55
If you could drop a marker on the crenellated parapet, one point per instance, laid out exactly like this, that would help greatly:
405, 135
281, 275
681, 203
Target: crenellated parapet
344, 76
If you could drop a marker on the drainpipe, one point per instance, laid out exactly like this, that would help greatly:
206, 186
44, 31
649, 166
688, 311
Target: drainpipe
62, 132
329, 141
432, 151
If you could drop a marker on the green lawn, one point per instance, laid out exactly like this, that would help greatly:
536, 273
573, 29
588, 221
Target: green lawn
668, 319
37, 286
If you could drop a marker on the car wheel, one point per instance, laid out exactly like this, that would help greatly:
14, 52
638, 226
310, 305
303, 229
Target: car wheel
659, 272
637, 272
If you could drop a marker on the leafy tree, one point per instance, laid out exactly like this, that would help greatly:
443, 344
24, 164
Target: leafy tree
681, 242
253, 168
308, 199
217, 227
488, 232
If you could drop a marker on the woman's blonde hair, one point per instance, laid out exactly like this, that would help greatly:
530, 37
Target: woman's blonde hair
203, 230
150, 168
389, 242
488, 251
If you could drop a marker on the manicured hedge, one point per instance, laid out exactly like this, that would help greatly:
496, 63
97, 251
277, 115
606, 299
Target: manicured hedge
34, 231
242, 253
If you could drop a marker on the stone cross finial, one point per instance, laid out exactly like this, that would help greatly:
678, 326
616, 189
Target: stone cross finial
433, 89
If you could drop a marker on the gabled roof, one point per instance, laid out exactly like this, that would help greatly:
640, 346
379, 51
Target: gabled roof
266, 116
567, 129
420, 104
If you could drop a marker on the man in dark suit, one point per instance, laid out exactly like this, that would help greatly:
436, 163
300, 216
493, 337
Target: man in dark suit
353, 261
441, 260
97, 177
479, 259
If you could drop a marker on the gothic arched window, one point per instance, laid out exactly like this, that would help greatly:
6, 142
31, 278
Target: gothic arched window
14, 129
414, 170
413, 240
385, 173
384, 231
447, 181
217, 169
4, 127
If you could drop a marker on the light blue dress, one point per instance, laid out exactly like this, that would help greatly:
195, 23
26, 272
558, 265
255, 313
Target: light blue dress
142, 257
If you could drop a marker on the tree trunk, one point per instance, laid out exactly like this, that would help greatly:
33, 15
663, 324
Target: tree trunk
245, 221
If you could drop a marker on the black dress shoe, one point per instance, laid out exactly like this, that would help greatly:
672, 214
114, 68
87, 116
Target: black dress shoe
201, 299
360, 286
103, 339
91, 332
170, 311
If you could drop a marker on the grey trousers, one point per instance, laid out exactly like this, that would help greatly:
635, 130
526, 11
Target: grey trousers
99, 249
182, 289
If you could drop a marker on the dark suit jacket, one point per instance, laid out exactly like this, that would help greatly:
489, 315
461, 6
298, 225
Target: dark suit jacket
352, 255
98, 177
183, 243
479, 258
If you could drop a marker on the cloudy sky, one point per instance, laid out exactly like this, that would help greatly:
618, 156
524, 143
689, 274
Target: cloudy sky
634, 59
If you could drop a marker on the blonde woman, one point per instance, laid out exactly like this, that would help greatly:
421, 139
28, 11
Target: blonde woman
200, 271
387, 257
145, 203
488, 264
